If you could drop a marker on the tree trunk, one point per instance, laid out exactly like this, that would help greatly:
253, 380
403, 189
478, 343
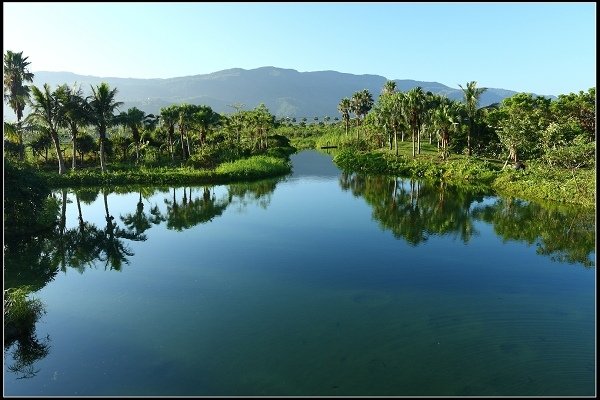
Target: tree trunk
419, 141
74, 137
187, 141
396, 141
61, 161
171, 131
469, 136
413, 143
81, 225
181, 131
102, 138
136, 139
20, 138
63, 213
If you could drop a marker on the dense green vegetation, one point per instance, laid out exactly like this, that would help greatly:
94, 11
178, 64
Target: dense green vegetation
526, 146
551, 144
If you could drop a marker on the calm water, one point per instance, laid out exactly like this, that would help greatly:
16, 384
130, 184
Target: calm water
320, 283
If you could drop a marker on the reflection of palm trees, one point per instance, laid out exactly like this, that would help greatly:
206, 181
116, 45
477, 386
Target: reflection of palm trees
113, 250
566, 234
412, 210
192, 212
249, 192
139, 222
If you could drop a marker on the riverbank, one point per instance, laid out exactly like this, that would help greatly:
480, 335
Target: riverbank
252, 168
536, 182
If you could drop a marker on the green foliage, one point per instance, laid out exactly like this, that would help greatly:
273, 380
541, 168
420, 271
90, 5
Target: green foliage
459, 170
21, 312
539, 182
27, 205
252, 168
579, 154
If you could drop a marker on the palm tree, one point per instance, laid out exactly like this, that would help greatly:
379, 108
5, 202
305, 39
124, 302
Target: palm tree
133, 119
16, 93
73, 112
361, 104
445, 117
102, 105
45, 112
206, 119
414, 107
472, 94
185, 122
344, 108
169, 116
389, 87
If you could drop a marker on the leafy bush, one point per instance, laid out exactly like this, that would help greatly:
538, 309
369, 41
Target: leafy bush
580, 153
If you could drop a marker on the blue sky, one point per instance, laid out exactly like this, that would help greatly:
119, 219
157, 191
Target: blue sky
545, 48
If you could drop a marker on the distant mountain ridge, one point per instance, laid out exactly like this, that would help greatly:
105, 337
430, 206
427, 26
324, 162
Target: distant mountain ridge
286, 92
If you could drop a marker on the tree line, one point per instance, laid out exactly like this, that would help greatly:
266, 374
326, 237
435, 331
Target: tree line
183, 131
560, 132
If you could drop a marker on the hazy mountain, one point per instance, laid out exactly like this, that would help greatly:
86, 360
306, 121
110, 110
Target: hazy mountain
286, 92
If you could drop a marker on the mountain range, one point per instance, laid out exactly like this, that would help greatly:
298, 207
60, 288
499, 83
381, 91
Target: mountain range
285, 92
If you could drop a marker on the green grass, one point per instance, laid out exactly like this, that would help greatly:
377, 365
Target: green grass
255, 167
20, 311
537, 182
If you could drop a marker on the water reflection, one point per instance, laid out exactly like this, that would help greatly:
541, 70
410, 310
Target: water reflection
35, 261
414, 210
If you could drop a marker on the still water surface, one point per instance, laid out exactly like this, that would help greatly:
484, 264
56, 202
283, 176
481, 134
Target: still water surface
320, 283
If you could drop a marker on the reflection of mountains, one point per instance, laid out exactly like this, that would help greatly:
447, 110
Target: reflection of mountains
414, 210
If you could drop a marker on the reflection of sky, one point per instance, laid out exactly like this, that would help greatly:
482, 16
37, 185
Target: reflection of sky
295, 287
313, 164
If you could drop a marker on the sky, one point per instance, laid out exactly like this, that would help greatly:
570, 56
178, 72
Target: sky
544, 48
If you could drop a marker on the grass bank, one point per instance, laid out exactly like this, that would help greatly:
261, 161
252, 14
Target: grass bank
536, 182
252, 168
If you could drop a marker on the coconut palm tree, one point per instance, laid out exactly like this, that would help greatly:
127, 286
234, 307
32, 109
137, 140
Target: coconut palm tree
102, 105
471, 94
361, 104
133, 119
16, 73
45, 112
168, 117
413, 107
344, 108
389, 87
206, 119
73, 112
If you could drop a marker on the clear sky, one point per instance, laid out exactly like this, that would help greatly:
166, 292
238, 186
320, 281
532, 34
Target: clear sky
545, 48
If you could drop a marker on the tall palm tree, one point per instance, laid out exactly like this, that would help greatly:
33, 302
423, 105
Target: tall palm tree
389, 87
344, 108
361, 104
168, 117
414, 107
16, 93
445, 118
73, 112
45, 112
206, 119
185, 123
471, 94
102, 105
133, 119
